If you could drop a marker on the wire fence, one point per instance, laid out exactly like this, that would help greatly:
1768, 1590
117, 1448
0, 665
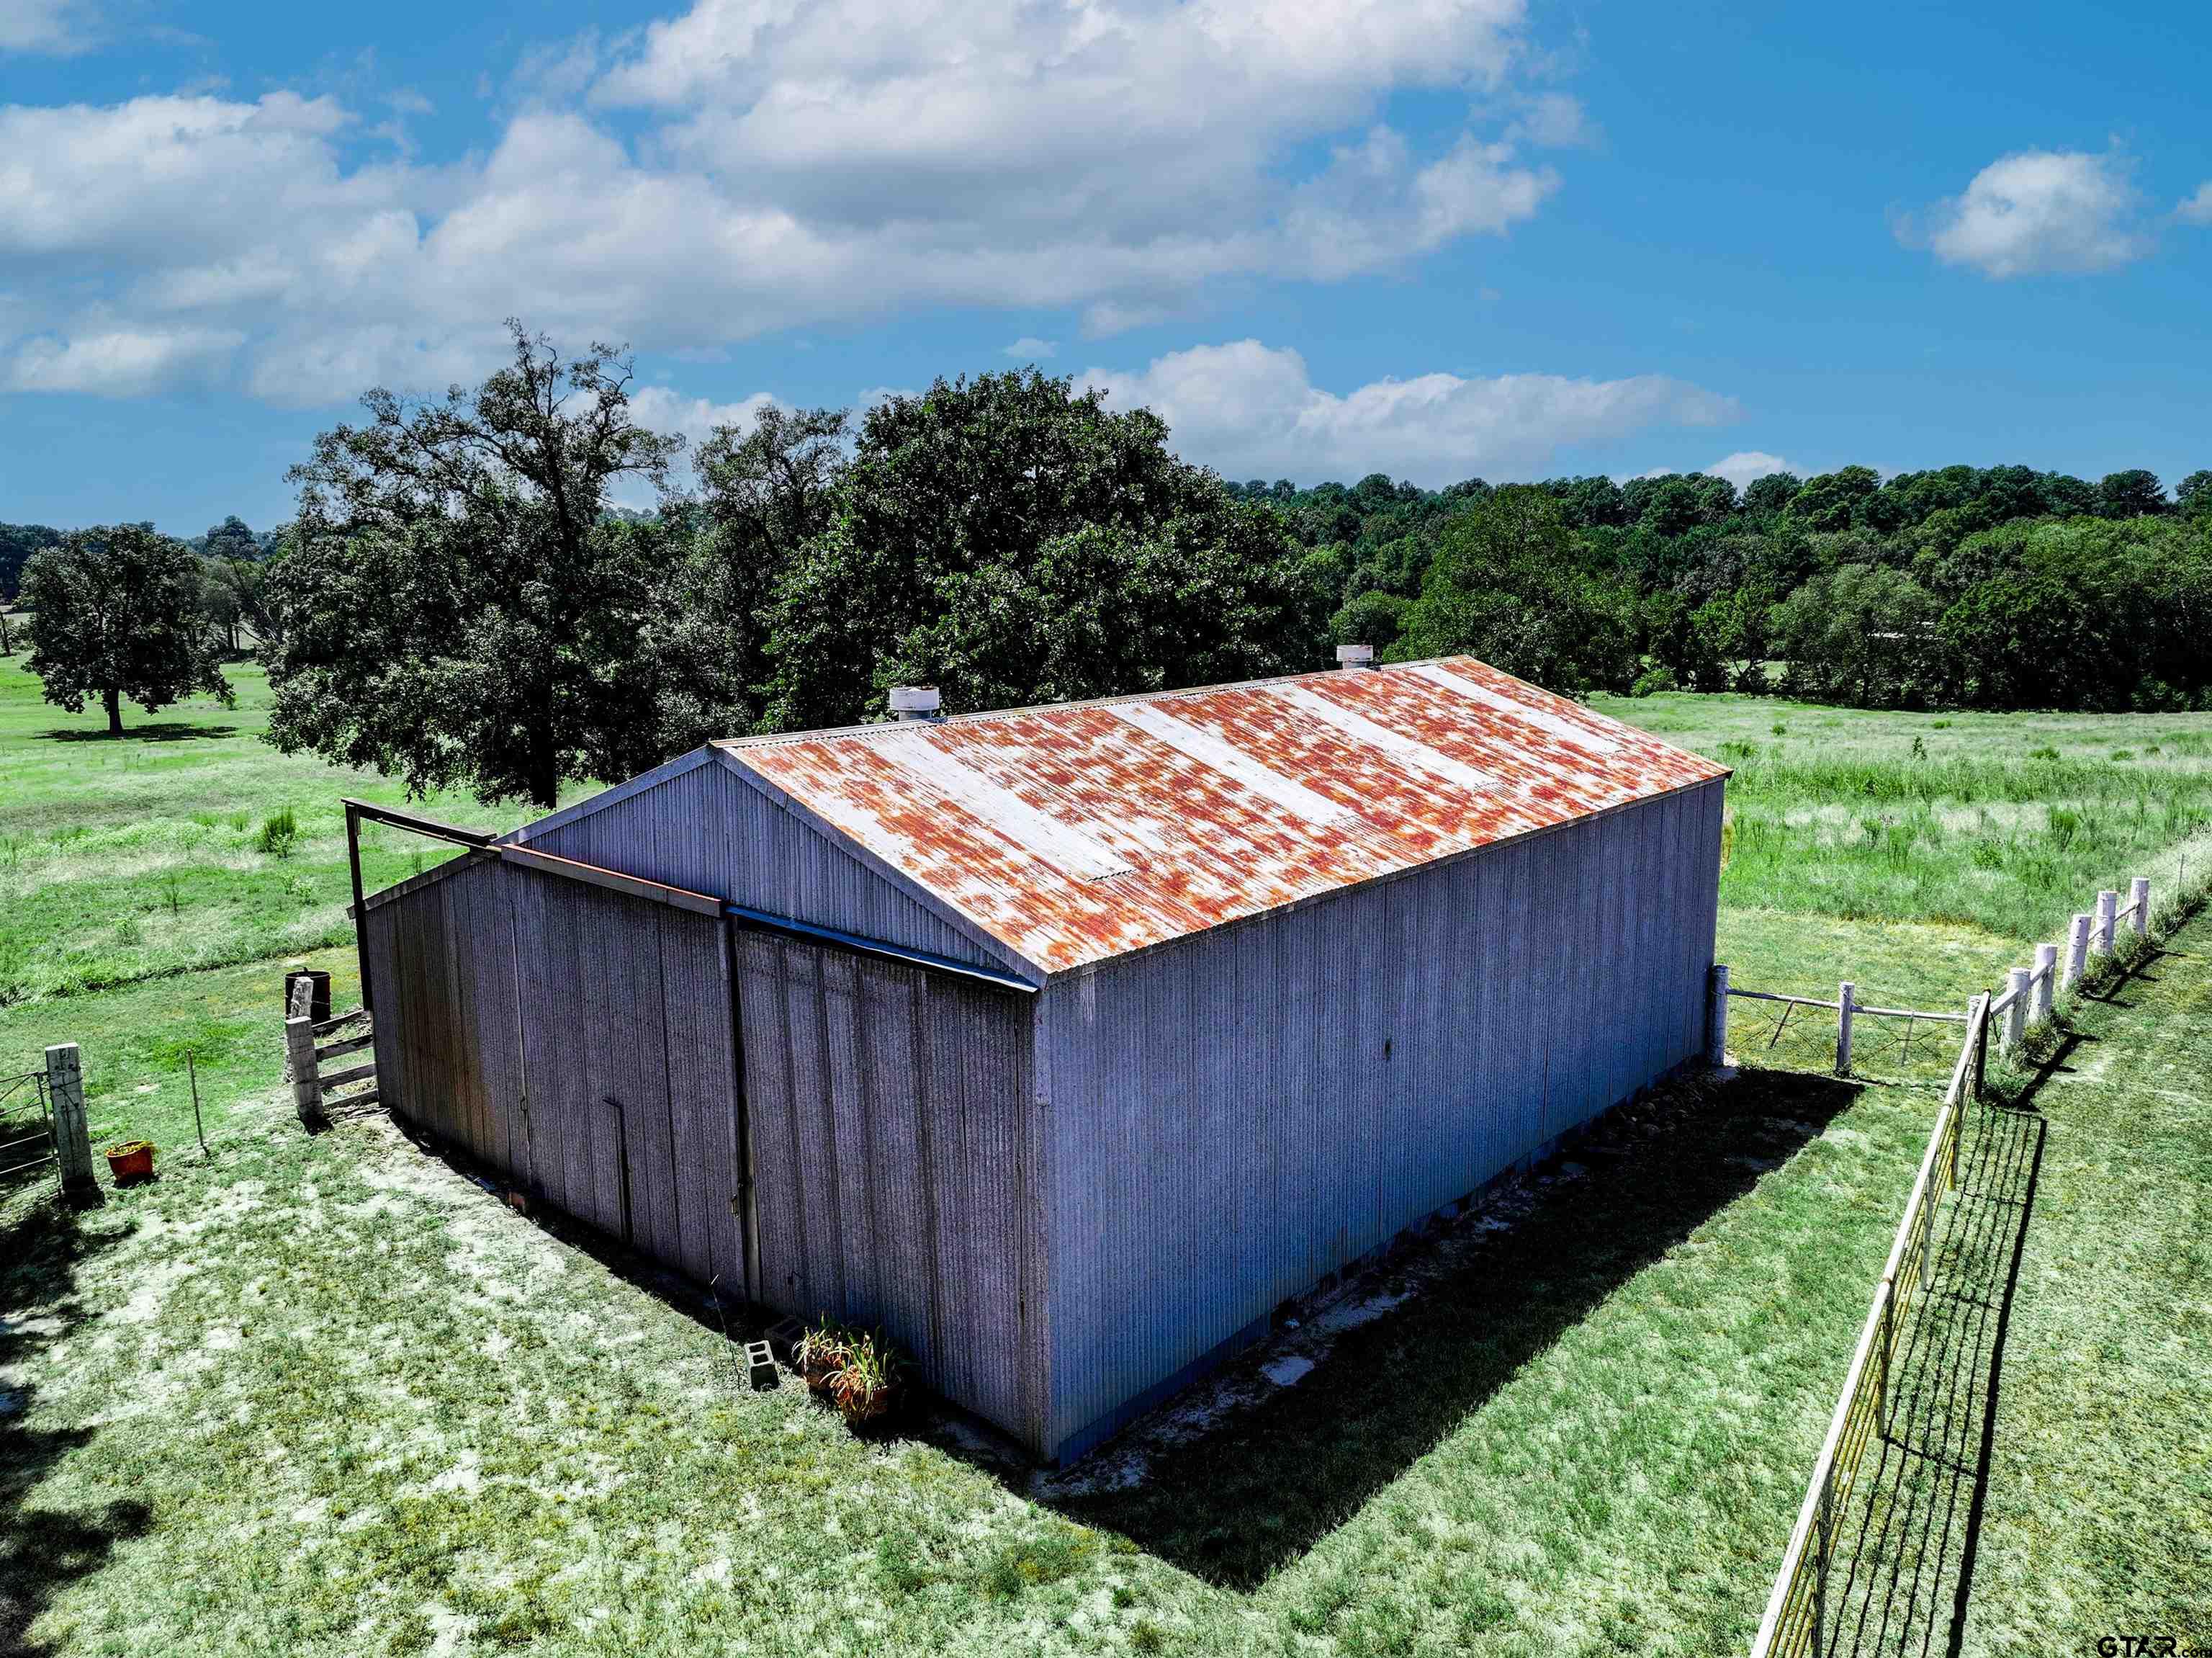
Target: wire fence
1801, 1615
27, 1143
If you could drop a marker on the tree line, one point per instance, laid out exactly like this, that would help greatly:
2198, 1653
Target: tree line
464, 598
1992, 587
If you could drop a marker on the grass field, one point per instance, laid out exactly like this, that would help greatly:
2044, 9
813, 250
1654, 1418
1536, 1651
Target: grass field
323, 1395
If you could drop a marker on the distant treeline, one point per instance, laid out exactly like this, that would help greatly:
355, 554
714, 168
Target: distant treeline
1996, 587
459, 599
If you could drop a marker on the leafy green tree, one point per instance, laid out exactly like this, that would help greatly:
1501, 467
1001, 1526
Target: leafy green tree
231, 539
455, 603
1504, 587
1370, 618
1830, 502
950, 502
1209, 597
2132, 494
2192, 496
1771, 495
1862, 635
765, 492
17, 543
117, 611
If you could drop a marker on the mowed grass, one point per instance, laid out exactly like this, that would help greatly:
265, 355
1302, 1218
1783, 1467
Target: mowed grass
325, 1395
124, 859
2099, 1513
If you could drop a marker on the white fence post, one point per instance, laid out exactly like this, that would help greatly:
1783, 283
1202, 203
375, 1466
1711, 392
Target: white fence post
2077, 951
2017, 1010
2046, 971
1716, 991
72, 1135
2139, 896
1844, 1029
2108, 906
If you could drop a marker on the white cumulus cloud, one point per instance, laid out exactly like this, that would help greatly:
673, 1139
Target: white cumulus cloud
1029, 349
2042, 210
1251, 410
694, 419
1747, 466
2196, 209
753, 165
122, 362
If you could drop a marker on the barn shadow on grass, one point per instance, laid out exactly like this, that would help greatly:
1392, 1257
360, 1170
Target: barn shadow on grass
1270, 1480
44, 1549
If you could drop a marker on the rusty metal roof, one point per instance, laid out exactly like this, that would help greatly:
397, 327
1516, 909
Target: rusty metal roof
1079, 831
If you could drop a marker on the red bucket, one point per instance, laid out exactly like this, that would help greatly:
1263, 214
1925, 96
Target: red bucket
131, 1161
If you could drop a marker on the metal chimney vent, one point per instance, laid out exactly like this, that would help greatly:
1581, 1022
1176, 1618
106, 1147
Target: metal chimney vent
914, 701
1355, 655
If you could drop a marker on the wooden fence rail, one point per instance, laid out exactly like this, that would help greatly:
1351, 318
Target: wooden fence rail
308, 1058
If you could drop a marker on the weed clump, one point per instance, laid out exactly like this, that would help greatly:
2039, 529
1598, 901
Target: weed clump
279, 830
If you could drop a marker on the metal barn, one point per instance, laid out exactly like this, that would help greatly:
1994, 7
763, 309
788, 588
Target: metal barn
1066, 1043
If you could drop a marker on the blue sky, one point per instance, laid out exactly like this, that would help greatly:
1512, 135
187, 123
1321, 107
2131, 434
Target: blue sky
1435, 238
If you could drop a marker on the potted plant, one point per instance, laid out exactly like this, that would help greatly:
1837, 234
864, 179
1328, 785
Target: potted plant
865, 1386
818, 1355
131, 1161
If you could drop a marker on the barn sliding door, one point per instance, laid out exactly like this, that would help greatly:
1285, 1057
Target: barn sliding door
893, 1175
576, 1040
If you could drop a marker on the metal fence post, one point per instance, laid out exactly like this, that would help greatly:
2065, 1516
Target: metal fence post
1717, 995
1844, 1029
72, 1133
1825, 1533
1881, 1351
2046, 971
2108, 905
2139, 896
2077, 950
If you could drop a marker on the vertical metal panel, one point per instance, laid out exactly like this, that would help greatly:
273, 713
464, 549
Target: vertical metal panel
701, 1100
485, 961
892, 1113
1225, 1127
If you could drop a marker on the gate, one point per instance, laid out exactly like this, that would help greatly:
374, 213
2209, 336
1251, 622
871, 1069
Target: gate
27, 1143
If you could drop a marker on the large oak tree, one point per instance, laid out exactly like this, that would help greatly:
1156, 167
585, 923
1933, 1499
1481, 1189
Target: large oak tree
117, 613
455, 602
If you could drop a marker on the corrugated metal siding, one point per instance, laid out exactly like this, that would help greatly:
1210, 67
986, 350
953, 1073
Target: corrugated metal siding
891, 1115
575, 1039
710, 831
1236, 1116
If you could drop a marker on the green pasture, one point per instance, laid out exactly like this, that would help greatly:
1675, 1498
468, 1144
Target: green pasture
324, 1395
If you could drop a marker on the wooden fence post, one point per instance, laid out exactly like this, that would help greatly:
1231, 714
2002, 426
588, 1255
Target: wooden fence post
306, 1088
2046, 971
1844, 1029
2139, 896
72, 1134
2108, 905
2077, 951
1716, 994
2015, 1010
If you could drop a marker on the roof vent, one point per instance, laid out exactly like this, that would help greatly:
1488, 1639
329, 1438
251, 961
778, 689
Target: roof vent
1355, 655
914, 701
